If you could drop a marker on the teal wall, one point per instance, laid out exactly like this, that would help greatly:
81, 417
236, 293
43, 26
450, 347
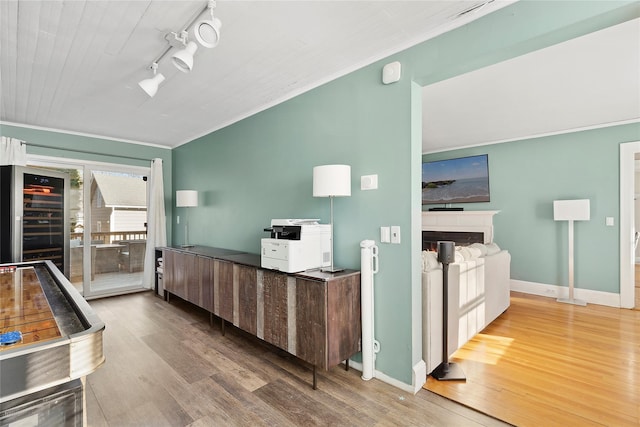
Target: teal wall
72, 146
260, 168
526, 176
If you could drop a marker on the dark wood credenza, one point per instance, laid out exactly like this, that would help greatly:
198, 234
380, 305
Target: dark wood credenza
312, 315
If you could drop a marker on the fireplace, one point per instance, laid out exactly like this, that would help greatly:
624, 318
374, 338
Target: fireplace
430, 239
461, 227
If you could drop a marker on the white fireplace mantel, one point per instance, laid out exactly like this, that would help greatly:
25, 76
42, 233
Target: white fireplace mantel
471, 221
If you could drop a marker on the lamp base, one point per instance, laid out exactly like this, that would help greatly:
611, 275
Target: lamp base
572, 301
187, 246
448, 371
331, 269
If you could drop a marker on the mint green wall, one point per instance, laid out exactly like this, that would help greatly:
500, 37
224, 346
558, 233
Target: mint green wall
526, 176
70, 146
260, 168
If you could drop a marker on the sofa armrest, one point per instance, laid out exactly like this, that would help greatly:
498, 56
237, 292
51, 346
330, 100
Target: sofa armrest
432, 314
498, 284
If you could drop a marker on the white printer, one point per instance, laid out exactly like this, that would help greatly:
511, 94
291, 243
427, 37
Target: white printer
296, 245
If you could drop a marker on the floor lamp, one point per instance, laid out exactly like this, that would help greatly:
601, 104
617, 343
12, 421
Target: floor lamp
571, 210
186, 199
332, 181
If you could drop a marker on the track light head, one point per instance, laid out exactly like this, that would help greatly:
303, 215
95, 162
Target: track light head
150, 86
183, 59
207, 32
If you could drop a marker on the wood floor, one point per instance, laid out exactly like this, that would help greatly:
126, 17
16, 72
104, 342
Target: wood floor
167, 367
112, 282
543, 363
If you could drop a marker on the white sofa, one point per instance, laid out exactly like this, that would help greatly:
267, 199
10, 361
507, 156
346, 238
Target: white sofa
478, 293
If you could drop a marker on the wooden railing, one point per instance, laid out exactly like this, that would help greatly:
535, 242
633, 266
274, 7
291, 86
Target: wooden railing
111, 236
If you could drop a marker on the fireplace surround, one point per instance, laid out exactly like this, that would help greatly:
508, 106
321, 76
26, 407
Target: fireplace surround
462, 227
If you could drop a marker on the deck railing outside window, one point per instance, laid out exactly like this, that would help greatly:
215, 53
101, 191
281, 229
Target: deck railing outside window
113, 236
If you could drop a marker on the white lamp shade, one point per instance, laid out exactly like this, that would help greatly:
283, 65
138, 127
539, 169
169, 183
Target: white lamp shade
183, 59
207, 32
332, 180
150, 86
571, 210
186, 198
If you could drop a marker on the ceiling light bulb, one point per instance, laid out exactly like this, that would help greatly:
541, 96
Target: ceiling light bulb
150, 86
183, 59
207, 32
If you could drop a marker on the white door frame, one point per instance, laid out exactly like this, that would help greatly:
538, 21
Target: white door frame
627, 223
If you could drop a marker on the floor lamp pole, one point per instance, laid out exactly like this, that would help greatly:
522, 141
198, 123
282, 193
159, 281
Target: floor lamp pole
571, 299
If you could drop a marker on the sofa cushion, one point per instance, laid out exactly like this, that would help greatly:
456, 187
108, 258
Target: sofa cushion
492, 249
429, 261
464, 252
479, 246
468, 253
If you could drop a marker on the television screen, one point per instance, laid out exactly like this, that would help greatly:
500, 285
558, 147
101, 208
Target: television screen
461, 180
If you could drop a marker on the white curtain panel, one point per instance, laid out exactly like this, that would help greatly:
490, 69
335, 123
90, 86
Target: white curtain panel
12, 151
156, 225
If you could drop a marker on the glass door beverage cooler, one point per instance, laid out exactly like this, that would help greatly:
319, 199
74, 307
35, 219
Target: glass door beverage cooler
34, 223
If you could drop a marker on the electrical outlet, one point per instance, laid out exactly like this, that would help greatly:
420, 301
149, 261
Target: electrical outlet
395, 234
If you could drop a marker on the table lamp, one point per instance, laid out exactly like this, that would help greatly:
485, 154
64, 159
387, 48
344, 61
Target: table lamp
186, 199
332, 181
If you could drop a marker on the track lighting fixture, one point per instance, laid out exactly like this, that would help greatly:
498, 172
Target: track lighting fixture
150, 86
205, 31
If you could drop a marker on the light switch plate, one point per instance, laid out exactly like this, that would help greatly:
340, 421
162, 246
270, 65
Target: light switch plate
609, 221
369, 182
385, 235
395, 234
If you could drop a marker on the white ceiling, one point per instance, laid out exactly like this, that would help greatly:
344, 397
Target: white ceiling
74, 65
590, 81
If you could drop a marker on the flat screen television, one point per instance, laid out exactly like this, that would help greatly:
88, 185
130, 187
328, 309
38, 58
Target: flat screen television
460, 180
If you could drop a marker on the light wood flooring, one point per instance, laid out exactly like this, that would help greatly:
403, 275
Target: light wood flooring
543, 363
165, 366
114, 283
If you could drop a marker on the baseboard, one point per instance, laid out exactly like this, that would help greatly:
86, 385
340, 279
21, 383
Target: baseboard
391, 381
553, 291
419, 375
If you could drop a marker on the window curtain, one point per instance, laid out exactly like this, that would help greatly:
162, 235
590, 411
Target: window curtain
156, 225
12, 151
